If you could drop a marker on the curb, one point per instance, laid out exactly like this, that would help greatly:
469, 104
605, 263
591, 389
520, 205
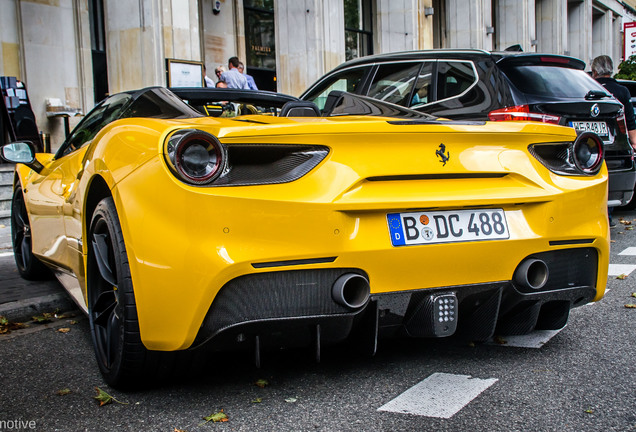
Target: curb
23, 310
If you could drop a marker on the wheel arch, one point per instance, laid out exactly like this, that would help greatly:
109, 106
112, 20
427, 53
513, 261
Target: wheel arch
97, 191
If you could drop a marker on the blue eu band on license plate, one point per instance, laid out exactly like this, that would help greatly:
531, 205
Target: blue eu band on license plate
418, 228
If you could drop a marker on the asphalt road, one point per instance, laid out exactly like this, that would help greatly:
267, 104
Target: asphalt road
582, 379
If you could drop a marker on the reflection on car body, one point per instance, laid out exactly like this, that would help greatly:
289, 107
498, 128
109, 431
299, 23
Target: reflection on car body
181, 234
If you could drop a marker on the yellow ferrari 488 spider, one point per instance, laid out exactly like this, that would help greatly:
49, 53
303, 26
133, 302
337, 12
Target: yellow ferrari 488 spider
284, 225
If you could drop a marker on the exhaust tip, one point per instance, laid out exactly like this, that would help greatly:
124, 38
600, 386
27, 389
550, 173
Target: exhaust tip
532, 273
351, 290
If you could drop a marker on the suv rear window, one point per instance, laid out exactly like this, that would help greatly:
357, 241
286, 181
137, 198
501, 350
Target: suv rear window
551, 81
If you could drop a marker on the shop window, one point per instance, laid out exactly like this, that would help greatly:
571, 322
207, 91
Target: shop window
260, 42
358, 28
98, 49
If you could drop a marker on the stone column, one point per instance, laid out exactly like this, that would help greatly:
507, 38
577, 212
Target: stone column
468, 24
602, 36
396, 25
55, 54
425, 25
515, 24
140, 35
579, 38
552, 28
309, 41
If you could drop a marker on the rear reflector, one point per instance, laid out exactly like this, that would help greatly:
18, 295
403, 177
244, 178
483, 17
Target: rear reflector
622, 126
521, 113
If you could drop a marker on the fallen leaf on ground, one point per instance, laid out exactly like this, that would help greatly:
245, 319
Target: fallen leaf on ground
625, 222
291, 400
44, 318
216, 417
630, 306
633, 294
629, 228
257, 400
262, 383
104, 398
589, 411
64, 330
63, 392
73, 322
179, 430
6, 326
622, 276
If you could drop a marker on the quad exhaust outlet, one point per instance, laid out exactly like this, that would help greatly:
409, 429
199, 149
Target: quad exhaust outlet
351, 290
532, 273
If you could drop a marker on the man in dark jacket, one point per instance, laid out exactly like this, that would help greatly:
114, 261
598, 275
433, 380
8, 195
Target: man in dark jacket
602, 69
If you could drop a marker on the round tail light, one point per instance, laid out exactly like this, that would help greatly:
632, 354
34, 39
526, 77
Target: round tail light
588, 153
196, 157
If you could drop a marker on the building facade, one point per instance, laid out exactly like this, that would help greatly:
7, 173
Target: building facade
74, 52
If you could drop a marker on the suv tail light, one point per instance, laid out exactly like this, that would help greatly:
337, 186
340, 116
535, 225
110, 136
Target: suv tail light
521, 113
622, 126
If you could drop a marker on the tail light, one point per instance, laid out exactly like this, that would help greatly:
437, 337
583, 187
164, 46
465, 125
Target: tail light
521, 113
622, 126
196, 157
588, 153
584, 156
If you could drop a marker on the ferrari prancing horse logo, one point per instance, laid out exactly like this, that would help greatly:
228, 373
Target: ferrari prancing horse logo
443, 157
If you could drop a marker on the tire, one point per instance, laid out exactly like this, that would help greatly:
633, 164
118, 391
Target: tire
123, 360
29, 266
112, 309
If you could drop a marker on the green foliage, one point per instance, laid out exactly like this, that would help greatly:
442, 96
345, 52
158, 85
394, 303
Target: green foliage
627, 69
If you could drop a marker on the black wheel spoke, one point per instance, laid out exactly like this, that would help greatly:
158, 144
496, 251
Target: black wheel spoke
112, 336
103, 307
25, 251
101, 248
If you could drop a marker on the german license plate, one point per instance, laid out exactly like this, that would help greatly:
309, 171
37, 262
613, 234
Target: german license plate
419, 228
599, 128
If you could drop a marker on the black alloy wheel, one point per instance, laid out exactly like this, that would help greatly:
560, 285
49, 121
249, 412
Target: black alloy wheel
111, 301
29, 266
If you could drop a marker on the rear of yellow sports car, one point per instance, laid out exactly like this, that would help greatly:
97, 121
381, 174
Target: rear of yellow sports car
312, 231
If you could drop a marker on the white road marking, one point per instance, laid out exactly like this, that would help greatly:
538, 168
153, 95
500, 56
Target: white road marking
536, 339
5, 254
619, 269
629, 251
440, 395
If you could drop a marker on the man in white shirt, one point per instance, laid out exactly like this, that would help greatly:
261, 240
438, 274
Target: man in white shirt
233, 77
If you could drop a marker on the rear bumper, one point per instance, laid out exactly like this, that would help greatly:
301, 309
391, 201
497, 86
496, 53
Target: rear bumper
297, 308
621, 187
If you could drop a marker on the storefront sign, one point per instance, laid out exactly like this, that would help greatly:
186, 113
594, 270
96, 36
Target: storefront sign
184, 73
630, 39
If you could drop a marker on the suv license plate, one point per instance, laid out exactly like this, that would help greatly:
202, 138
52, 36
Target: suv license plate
599, 128
418, 228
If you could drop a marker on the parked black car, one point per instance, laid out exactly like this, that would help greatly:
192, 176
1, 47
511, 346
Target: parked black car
631, 86
495, 86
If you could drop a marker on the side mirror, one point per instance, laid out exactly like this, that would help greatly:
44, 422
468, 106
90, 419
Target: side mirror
21, 152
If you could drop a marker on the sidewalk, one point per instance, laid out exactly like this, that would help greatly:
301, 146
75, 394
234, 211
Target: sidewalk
20, 299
